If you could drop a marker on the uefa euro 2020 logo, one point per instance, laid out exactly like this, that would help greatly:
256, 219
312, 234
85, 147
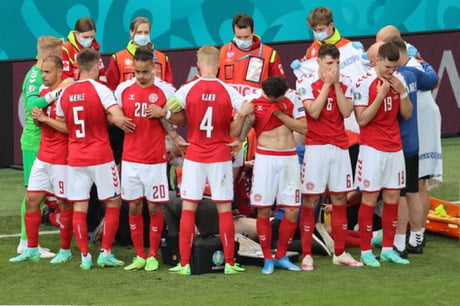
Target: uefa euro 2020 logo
218, 257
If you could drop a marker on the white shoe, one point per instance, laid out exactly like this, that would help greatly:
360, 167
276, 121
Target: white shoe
307, 263
346, 260
45, 253
328, 241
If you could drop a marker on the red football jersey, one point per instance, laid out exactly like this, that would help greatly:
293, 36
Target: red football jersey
263, 110
147, 144
83, 104
208, 104
382, 132
329, 127
53, 144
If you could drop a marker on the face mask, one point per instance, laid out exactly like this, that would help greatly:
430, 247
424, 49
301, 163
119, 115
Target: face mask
243, 44
141, 40
320, 36
85, 42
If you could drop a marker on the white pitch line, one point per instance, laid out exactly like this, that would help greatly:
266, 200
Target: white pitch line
19, 235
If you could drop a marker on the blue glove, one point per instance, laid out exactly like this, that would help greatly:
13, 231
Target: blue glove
357, 45
412, 51
295, 64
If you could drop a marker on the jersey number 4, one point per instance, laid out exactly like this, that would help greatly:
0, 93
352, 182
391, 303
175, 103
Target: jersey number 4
206, 122
79, 123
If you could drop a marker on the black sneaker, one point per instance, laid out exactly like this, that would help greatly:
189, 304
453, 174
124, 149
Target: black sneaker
402, 254
418, 249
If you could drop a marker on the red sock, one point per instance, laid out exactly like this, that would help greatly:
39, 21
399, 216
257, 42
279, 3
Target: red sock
52, 217
365, 215
285, 233
80, 230
136, 227
156, 229
32, 221
307, 225
389, 223
66, 230
227, 236
111, 220
339, 227
264, 232
353, 239
186, 233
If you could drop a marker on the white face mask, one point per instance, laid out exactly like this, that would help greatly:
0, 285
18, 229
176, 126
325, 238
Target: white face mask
321, 36
243, 44
141, 39
85, 42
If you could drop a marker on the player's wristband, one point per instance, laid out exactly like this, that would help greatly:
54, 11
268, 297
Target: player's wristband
404, 95
168, 114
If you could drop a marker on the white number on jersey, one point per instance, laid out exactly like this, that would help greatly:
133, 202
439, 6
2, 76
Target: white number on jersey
387, 104
79, 132
329, 104
140, 109
206, 122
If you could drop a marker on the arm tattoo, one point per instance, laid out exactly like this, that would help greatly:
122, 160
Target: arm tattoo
248, 122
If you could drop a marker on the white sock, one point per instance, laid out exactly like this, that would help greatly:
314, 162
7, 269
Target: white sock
86, 257
105, 253
415, 238
400, 242
384, 249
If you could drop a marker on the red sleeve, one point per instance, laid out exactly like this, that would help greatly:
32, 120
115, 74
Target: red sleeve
67, 69
276, 68
168, 72
113, 75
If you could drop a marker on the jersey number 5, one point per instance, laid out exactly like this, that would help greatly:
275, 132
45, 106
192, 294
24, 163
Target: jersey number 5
79, 123
206, 122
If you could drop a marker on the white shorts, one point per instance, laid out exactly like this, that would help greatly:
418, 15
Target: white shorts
326, 166
81, 179
276, 177
378, 170
219, 175
48, 178
144, 181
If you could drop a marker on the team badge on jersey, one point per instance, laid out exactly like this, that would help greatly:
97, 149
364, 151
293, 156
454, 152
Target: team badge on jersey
153, 97
356, 96
31, 88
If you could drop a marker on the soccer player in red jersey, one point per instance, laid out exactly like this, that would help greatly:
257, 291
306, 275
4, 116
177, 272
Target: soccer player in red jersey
143, 172
208, 103
278, 112
48, 174
327, 98
380, 96
84, 106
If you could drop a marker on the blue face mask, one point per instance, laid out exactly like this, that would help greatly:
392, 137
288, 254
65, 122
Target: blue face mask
243, 44
85, 42
141, 39
320, 36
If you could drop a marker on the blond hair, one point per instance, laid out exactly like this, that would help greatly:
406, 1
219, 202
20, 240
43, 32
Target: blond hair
208, 55
47, 44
